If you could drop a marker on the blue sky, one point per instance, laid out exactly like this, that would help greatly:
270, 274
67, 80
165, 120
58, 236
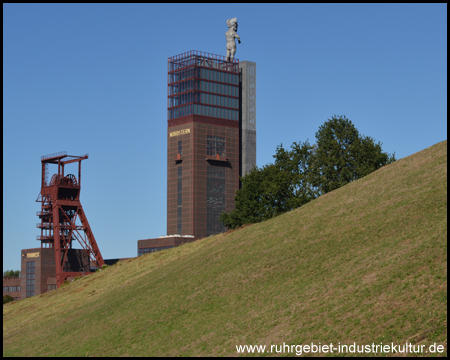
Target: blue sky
93, 79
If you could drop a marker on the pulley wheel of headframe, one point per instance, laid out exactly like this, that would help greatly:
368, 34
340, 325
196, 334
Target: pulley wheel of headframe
71, 180
55, 179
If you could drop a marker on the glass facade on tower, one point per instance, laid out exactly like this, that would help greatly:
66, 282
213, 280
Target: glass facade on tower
199, 90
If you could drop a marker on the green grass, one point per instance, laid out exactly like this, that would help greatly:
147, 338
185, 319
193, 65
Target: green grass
366, 263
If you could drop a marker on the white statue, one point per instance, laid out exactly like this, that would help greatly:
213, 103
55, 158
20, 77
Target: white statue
230, 35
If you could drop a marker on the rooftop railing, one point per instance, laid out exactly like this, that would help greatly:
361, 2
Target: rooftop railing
200, 58
55, 155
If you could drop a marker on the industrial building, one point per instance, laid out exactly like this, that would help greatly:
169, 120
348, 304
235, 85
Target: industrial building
211, 141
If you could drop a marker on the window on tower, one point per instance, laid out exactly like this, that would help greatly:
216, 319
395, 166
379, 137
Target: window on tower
215, 199
30, 278
179, 199
215, 145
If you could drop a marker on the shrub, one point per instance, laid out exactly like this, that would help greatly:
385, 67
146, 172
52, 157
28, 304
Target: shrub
7, 299
66, 282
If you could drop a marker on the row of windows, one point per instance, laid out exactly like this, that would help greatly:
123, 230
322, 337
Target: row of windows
30, 293
30, 287
215, 199
194, 96
153, 249
219, 100
182, 87
206, 74
202, 110
51, 287
220, 89
180, 147
183, 74
219, 76
180, 111
11, 288
215, 145
185, 98
216, 112
30, 281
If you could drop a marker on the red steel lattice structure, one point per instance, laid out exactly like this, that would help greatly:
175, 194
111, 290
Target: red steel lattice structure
60, 208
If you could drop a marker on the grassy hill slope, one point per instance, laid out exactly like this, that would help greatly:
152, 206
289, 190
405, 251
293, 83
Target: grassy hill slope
365, 263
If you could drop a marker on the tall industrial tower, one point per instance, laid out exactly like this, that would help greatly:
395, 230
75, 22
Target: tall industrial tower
60, 209
211, 139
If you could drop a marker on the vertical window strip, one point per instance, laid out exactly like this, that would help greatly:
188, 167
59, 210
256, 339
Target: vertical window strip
179, 199
215, 199
30, 278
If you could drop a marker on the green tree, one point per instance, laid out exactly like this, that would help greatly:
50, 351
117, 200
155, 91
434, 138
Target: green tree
294, 167
249, 207
7, 299
273, 189
297, 176
343, 155
11, 273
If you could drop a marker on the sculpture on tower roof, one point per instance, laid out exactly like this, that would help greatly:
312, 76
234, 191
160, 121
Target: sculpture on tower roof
231, 35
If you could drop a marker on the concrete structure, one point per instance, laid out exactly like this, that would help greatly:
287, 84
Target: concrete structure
211, 141
247, 116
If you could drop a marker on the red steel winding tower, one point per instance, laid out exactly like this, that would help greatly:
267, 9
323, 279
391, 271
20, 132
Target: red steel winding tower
60, 209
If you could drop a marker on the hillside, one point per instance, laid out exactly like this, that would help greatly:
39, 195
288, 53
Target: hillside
366, 263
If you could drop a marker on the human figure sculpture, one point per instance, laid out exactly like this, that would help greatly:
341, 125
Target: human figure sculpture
230, 35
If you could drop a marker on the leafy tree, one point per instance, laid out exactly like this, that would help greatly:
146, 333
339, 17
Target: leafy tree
11, 273
299, 175
273, 189
249, 201
294, 166
343, 155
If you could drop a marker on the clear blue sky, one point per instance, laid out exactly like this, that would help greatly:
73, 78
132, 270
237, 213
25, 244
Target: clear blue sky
93, 79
